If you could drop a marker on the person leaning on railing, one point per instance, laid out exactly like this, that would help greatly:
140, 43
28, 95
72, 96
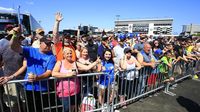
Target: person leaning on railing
40, 63
128, 63
146, 59
106, 80
86, 81
69, 87
165, 67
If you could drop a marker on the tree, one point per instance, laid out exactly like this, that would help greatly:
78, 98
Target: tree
198, 34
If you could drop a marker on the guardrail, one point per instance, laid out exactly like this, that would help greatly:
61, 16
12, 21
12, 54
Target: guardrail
83, 92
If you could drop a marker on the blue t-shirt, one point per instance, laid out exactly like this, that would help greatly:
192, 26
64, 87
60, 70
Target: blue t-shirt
108, 78
139, 46
37, 63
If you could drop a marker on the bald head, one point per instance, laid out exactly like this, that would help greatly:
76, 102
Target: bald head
147, 47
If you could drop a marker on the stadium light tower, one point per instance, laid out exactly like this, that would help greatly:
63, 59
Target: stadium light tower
117, 16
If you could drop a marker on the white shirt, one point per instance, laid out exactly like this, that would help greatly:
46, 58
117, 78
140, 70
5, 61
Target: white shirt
119, 53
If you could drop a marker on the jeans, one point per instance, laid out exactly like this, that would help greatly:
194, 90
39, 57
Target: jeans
70, 101
36, 101
3, 106
141, 84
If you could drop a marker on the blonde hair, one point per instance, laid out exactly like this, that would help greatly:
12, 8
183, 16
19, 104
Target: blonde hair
66, 49
82, 51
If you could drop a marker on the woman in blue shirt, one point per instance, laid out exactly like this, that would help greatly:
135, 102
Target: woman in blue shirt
106, 80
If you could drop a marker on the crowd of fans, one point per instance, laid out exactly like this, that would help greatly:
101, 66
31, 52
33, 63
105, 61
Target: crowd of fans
38, 57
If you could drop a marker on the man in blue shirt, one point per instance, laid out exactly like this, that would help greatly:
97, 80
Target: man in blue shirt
146, 59
139, 46
40, 63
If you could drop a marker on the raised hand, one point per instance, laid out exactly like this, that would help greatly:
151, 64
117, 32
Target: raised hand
16, 31
58, 17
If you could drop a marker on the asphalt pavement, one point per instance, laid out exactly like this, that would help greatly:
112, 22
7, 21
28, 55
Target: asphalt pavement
187, 99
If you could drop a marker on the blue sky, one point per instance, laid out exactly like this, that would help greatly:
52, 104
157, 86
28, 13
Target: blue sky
102, 13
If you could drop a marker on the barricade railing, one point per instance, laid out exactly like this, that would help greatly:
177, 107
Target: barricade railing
85, 84
88, 93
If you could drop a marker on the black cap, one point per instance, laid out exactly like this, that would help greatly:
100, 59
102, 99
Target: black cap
46, 41
126, 50
105, 37
66, 35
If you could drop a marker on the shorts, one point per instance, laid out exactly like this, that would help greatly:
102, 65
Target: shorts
70, 100
12, 91
75, 99
106, 86
152, 79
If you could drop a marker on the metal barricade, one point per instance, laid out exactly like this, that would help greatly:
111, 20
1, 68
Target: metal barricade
149, 81
91, 94
142, 83
85, 87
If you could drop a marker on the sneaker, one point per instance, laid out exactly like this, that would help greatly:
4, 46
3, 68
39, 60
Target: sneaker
104, 110
195, 77
124, 107
117, 111
175, 85
141, 100
172, 88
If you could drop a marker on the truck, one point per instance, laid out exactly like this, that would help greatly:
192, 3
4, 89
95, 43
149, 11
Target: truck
9, 16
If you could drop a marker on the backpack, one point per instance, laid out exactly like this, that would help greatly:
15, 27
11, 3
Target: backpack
88, 103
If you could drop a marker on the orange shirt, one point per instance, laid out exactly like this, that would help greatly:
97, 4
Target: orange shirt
59, 51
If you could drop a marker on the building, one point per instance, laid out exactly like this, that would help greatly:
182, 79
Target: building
94, 30
190, 29
145, 26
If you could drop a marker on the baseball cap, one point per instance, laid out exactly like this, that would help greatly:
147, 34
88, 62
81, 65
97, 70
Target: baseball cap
142, 37
39, 30
105, 37
126, 50
66, 35
122, 37
46, 41
130, 35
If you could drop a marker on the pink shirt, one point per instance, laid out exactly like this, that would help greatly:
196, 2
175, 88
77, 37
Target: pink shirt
69, 86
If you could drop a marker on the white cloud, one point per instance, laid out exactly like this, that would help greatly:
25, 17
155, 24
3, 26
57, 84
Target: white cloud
2, 9
6, 9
